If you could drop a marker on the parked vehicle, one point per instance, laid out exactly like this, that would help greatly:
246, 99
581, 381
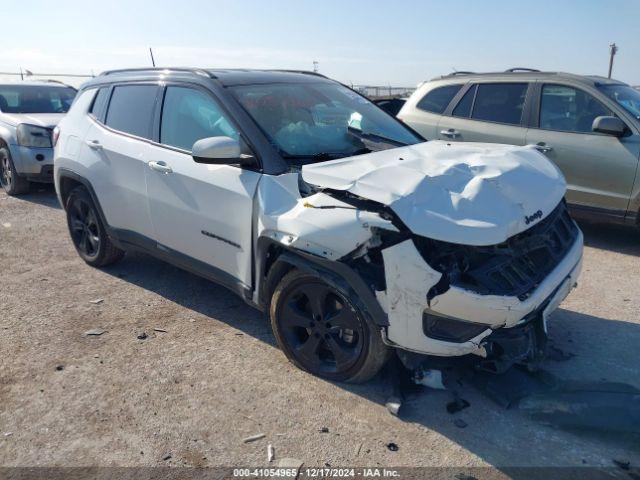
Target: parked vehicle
314, 205
391, 105
28, 113
588, 126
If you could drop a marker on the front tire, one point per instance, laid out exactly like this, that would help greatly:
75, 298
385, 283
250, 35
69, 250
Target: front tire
87, 231
11, 181
320, 330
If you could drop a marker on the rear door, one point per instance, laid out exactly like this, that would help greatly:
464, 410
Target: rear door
487, 112
203, 212
599, 169
116, 147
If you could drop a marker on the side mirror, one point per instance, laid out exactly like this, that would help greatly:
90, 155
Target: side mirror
609, 126
217, 151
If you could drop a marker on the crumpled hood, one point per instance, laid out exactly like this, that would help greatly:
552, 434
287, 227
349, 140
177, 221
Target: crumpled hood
48, 120
466, 193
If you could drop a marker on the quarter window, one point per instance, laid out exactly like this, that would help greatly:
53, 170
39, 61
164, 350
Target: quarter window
568, 109
99, 102
189, 115
436, 100
500, 102
463, 109
131, 109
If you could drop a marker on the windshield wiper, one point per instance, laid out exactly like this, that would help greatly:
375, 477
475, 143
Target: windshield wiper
374, 137
324, 156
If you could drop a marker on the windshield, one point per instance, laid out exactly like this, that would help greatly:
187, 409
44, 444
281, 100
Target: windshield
627, 97
320, 121
35, 99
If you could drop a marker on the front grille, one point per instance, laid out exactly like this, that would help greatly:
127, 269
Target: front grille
513, 268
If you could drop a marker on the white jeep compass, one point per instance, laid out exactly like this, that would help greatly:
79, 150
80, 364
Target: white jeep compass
313, 204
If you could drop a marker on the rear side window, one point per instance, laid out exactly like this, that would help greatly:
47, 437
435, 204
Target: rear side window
500, 102
131, 109
99, 102
436, 100
463, 109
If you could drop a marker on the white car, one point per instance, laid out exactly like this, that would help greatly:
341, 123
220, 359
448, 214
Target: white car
28, 113
313, 204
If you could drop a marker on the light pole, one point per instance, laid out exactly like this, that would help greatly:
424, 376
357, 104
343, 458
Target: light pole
613, 49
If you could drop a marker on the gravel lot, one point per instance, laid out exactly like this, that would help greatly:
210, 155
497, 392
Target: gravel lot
215, 376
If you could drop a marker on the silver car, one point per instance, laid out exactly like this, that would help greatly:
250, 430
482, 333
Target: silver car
28, 113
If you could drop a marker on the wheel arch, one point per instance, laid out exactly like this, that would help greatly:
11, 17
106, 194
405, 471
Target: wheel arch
67, 181
276, 260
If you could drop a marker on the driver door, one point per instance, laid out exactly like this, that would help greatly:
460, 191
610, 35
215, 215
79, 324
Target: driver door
201, 214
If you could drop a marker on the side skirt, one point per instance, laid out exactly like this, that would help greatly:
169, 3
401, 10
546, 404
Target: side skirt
129, 240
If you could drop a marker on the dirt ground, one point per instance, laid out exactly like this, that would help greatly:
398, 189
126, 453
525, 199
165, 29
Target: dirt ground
215, 376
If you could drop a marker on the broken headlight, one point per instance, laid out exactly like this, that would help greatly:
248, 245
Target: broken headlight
449, 329
33, 136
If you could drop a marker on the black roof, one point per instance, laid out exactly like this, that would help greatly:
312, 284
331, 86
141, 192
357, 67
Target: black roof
226, 77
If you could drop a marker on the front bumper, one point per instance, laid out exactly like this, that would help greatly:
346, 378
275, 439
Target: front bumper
409, 278
34, 163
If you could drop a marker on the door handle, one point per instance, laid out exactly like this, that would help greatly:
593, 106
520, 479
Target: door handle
160, 167
451, 133
543, 147
94, 144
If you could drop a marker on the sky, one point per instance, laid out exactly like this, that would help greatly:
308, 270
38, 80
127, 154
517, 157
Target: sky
373, 42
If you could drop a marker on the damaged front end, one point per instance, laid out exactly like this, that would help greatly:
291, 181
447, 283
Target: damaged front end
441, 238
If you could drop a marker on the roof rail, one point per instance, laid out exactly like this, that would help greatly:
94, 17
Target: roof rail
462, 72
49, 80
197, 71
306, 72
520, 69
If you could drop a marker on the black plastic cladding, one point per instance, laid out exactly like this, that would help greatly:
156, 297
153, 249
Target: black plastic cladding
513, 268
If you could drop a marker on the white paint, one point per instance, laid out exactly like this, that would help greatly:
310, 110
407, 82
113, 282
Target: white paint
467, 193
409, 278
301, 223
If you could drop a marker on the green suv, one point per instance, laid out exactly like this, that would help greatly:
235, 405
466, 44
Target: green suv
588, 126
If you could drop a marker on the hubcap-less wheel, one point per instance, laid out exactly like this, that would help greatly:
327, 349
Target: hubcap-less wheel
84, 227
5, 172
322, 331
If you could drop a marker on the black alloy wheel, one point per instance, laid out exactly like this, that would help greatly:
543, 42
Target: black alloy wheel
321, 331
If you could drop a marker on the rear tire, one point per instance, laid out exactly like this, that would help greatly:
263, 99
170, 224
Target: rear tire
321, 330
87, 231
11, 181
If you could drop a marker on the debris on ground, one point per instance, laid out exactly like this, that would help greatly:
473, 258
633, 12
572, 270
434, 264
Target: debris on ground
60, 368
393, 405
253, 438
270, 453
95, 332
623, 464
457, 405
324, 430
142, 336
8, 434
97, 301
464, 476
358, 449
430, 378
6, 225
393, 447
458, 422
167, 457
161, 330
